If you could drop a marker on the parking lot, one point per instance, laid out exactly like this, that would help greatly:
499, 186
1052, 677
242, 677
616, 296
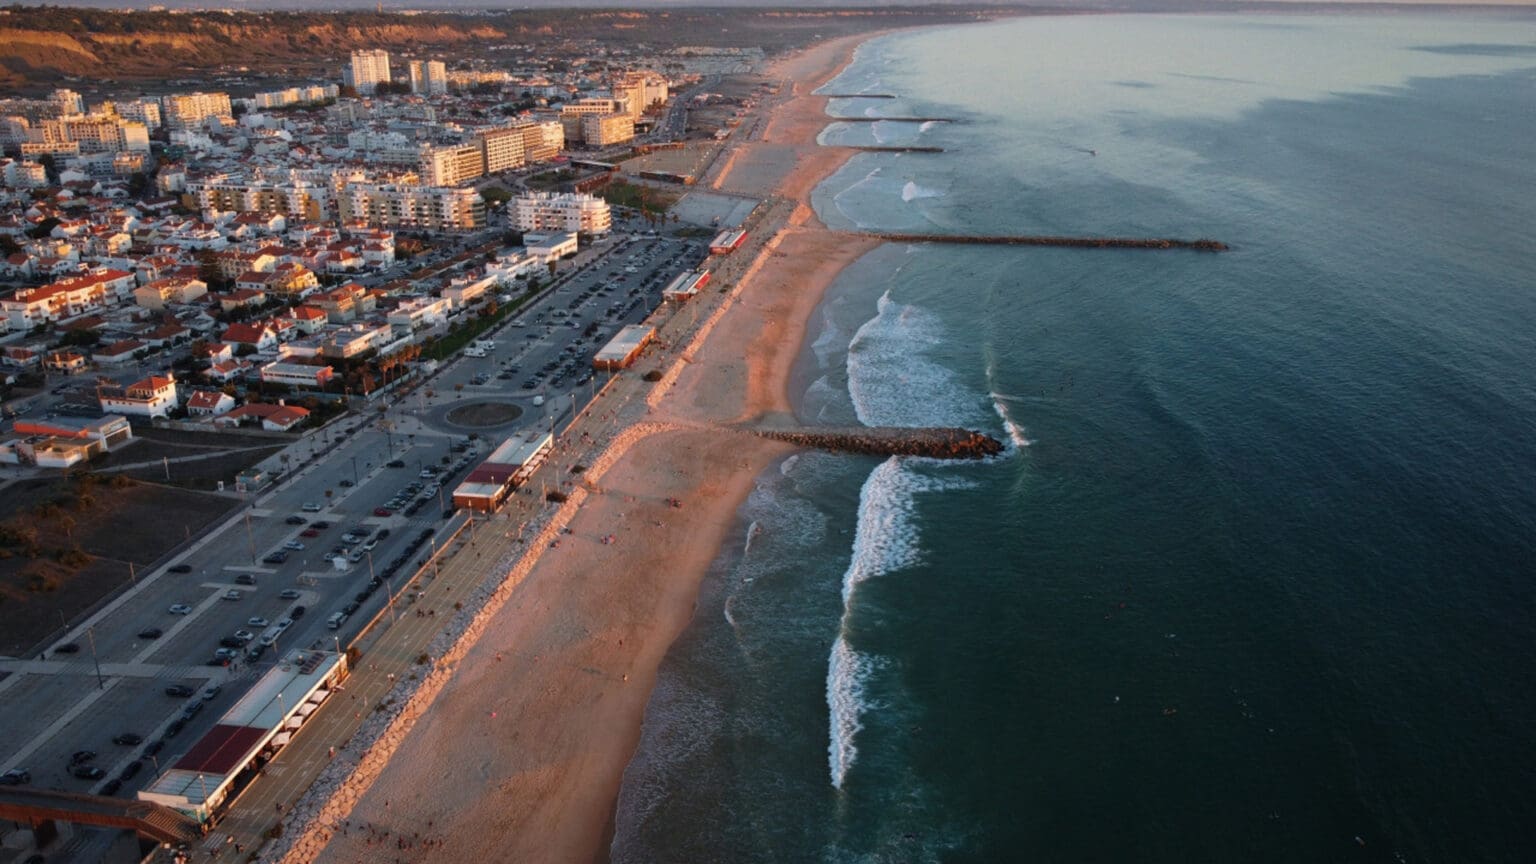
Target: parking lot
360, 511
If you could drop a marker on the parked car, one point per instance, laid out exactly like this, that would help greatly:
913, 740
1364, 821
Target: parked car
67, 648
294, 545
276, 557
179, 568
289, 594
246, 578
128, 739
179, 690
81, 756
112, 786
181, 609
297, 612
311, 508
130, 770
395, 463
382, 511
153, 748
232, 642
232, 594
16, 777
309, 532
151, 633
211, 691
296, 520
87, 772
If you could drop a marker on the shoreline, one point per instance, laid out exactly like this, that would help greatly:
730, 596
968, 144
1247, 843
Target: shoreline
518, 752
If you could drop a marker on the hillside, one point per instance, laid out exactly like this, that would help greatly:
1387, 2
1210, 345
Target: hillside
42, 46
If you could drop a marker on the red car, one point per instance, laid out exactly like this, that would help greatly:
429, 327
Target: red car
309, 532
382, 511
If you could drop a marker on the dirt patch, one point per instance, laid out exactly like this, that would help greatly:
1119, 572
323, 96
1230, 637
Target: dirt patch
196, 460
66, 544
484, 414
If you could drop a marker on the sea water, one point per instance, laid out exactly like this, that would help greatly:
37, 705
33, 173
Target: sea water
1253, 579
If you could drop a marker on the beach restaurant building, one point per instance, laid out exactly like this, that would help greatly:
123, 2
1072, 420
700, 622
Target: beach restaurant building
265, 719
624, 348
726, 242
687, 284
508, 467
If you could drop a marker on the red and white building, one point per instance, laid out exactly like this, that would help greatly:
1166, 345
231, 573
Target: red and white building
66, 298
727, 242
154, 396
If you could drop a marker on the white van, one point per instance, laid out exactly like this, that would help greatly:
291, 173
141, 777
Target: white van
474, 352
336, 620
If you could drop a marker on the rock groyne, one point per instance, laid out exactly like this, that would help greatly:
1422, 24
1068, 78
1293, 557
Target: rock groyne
1202, 245
873, 148
891, 120
932, 442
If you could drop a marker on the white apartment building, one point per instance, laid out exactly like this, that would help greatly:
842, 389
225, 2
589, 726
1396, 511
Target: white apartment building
604, 130
429, 77
389, 205
101, 288
154, 396
367, 70
146, 111
184, 111
452, 165
572, 211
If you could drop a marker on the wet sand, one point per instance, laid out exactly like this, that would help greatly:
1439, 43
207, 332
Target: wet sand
521, 754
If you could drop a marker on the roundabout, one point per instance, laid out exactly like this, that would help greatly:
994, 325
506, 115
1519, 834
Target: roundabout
474, 415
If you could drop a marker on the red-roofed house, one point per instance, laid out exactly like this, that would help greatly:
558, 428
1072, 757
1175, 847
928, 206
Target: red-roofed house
209, 403
273, 418
66, 298
310, 319
117, 352
258, 336
154, 396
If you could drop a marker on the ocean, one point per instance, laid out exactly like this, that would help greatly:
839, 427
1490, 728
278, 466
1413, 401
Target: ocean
1253, 579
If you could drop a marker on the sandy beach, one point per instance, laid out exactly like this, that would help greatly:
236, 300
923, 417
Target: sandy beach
520, 755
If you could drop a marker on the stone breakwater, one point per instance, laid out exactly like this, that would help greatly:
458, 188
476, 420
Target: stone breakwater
1043, 240
311, 822
932, 442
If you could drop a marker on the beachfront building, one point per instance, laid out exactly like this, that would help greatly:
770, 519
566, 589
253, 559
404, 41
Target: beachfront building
509, 466
624, 348
249, 734
727, 242
570, 211
686, 285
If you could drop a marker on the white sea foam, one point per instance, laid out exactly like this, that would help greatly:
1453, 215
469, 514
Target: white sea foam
746, 547
837, 200
927, 124
789, 464
885, 541
847, 674
893, 381
1016, 433
913, 192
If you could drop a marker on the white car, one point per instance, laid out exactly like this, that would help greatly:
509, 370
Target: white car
289, 594
257, 621
232, 594
244, 635
294, 545
181, 609
283, 624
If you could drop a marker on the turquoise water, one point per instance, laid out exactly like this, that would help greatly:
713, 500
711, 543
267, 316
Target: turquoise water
1254, 579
